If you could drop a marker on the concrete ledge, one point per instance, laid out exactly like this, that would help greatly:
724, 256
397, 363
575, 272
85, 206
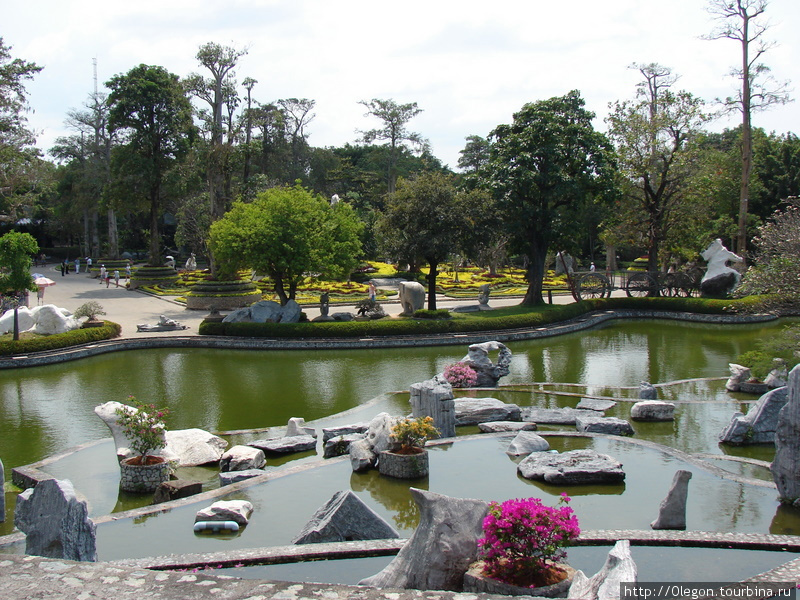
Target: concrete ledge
581, 323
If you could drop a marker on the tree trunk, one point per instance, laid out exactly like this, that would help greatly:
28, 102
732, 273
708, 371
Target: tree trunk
113, 235
611, 258
535, 275
155, 238
432, 284
95, 235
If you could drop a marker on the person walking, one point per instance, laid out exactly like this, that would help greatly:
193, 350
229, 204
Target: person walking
373, 291
102, 273
128, 272
77, 266
116, 277
88, 264
63, 263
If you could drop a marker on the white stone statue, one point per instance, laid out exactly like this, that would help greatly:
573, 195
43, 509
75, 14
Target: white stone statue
720, 279
191, 263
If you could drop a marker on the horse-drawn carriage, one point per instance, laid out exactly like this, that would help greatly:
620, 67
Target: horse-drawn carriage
637, 284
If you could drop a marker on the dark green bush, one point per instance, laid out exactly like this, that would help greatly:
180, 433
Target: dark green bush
61, 340
424, 313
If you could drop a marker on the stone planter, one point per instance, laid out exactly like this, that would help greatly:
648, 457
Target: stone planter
143, 479
92, 323
476, 581
753, 387
404, 466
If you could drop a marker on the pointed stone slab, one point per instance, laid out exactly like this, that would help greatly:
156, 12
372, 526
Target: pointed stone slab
786, 464
672, 512
441, 548
56, 523
345, 518
605, 584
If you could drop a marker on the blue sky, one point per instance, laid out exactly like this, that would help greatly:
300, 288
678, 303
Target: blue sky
468, 64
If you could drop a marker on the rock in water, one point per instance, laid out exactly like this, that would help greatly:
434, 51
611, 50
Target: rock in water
345, 518
759, 424
441, 548
434, 398
786, 464
605, 584
56, 523
672, 512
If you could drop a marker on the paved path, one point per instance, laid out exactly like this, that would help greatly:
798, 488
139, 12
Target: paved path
132, 307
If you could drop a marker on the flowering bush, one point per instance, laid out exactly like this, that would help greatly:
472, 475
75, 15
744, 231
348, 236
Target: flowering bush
523, 538
460, 375
413, 433
144, 426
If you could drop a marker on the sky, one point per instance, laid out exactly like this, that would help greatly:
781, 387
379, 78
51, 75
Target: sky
469, 65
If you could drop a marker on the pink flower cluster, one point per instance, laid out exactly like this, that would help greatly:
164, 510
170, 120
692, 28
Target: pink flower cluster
460, 375
522, 536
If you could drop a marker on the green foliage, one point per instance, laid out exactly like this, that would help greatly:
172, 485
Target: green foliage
143, 425
75, 337
16, 250
89, 309
441, 313
285, 233
785, 345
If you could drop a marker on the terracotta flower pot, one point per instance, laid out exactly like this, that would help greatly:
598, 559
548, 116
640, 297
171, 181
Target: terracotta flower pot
404, 466
143, 478
476, 581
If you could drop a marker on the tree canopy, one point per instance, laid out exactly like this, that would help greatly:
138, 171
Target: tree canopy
544, 170
286, 233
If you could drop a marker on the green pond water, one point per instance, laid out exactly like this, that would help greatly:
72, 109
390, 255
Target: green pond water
47, 410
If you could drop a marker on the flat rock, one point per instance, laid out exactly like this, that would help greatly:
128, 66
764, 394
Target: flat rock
56, 524
242, 458
573, 467
760, 423
472, 411
332, 432
230, 477
503, 426
345, 518
226, 510
653, 410
339, 446
441, 548
526, 442
596, 404
285, 445
556, 416
607, 425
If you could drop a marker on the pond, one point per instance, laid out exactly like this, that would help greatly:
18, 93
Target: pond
49, 409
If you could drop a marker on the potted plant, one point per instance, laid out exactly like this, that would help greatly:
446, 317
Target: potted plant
460, 375
90, 310
143, 425
408, 458
522, 548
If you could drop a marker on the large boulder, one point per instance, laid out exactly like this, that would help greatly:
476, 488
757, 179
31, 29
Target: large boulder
526, 442
786, 464
504, 426
51, 320
441, 548
340, 446
760, 423
605, 584
488, 372
286, 445
777, 376
471, 411
55, 522
739, 375
434, 398
345, 518
238, 511
333, 432
362, 458
24, 320
185, 447
265, 311
672, 512
653, 410
378, 438
647, 391
571, 468
242, 458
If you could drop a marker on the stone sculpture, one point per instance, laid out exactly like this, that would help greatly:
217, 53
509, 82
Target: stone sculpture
47, 319
412, 296
434, 398
191, 263
324, 304
564, 263
441, 548
739, 375
483, 296
672, 512
488, 373
364, 453
164, 324
720, 280
56, 523
786, 464
345, 518
605, 584
760, 423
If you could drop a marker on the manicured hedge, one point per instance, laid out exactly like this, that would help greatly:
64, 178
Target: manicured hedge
61, 340
540, 316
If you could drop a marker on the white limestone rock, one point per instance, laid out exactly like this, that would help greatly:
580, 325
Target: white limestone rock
242, 458
226, 510
607, 425
739, 375
503, 426
526, 442
286, 445
760, 423
653, 410
24, 320
572, 468
672, 512
605, 584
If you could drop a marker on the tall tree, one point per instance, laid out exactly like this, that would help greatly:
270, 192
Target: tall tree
17, 152
394, 117
422, 220
655, 140
287, 233
544, 169
742, 21
16, 250
150, 110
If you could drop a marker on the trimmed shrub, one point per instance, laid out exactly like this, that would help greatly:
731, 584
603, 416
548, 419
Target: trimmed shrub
75, 337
